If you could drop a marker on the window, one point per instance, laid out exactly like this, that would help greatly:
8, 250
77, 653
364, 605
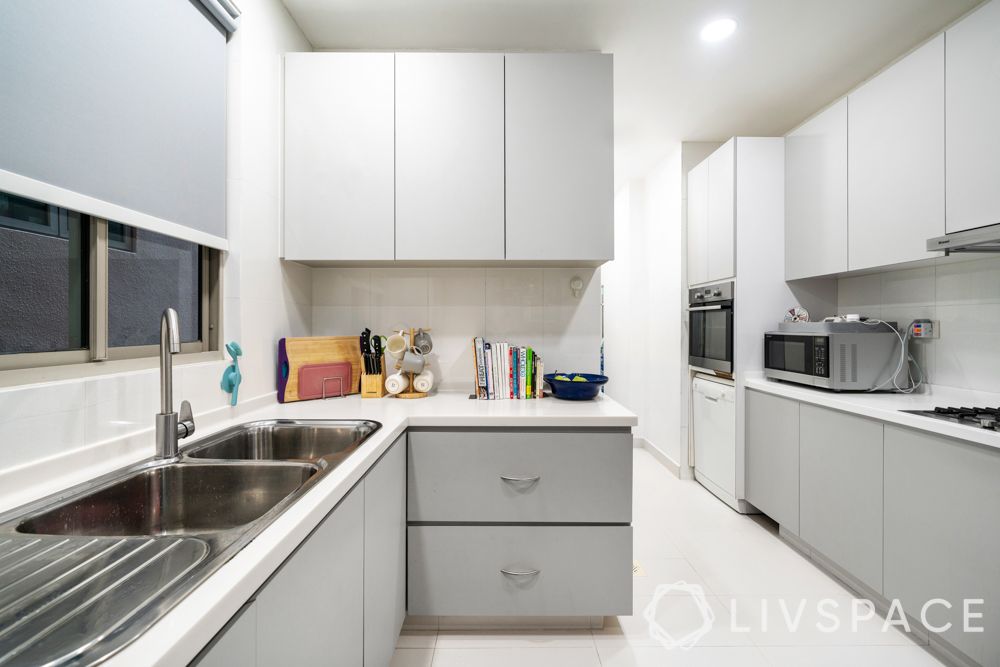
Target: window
75, 288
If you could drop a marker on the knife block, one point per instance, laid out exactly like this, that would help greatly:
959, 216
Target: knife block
372, 385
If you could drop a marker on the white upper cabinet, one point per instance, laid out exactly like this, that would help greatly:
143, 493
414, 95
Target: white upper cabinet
449, 156
816, 195
697, 224
896, 161
559, 157
972, 110
338, 156
722, 212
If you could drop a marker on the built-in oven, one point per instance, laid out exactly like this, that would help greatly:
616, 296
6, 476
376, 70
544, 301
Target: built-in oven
710, 327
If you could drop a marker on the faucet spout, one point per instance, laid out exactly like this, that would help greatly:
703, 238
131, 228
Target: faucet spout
170, 344
169, 429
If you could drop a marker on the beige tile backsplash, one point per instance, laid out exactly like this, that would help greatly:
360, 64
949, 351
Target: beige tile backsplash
963, 295
526, 306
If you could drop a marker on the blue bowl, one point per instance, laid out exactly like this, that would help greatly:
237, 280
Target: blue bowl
575, 391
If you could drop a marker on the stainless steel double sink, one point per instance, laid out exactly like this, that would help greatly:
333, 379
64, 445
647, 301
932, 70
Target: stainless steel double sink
84, 572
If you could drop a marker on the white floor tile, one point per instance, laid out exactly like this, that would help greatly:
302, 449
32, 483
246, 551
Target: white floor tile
417, 639
412, 657
664, 571
676, 615
519, 657
657, 656
465, 639
855, 656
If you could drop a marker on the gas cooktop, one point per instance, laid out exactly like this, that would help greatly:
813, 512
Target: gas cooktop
988, 418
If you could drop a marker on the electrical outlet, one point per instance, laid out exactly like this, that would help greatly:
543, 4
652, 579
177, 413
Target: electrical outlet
926, 329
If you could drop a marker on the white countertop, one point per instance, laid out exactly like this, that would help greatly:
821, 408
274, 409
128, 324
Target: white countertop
887, 406
183, 631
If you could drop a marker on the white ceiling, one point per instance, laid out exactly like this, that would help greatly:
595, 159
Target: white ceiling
788, 58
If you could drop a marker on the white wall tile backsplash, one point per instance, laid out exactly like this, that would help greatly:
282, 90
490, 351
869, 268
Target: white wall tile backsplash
525, 306
963, 295
39, 421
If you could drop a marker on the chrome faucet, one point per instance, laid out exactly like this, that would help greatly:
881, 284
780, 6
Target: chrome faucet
170, 427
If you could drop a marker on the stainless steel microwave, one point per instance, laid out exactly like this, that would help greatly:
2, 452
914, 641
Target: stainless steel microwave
710, 327
842, 356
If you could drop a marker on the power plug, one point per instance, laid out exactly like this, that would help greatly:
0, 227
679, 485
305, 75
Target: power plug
925, 328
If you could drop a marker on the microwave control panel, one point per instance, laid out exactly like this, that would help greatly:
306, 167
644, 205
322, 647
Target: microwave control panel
821, 356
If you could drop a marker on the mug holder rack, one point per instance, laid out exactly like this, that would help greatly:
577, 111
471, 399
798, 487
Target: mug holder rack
410, 392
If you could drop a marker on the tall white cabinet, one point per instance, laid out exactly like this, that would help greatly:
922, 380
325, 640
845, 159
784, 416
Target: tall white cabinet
722, 212
895, 166
972, 112
449, 156
711, 195
338, 156
560, 162
816, 195
697, 224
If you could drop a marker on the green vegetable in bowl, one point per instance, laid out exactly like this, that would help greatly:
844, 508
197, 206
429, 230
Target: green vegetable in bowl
579, 378
562, 377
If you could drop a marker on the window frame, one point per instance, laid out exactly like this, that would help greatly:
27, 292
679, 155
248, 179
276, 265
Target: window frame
98, 350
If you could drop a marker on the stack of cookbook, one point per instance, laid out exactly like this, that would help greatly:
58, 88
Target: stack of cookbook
505, 371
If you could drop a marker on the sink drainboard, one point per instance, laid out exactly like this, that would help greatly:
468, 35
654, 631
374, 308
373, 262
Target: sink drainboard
54, 589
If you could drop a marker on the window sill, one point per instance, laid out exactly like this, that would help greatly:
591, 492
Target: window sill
25, 376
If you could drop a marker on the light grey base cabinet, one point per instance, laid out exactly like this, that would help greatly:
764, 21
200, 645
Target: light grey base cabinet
942, 534
840, 507
520, 570
312, 608
340, 597
897, 513
235, 644
385, 555
772, 457
519, 522
503, 475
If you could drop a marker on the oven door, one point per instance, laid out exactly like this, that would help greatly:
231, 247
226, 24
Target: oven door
710, 335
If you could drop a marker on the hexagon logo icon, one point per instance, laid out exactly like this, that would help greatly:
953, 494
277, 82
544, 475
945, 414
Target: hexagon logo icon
668, 637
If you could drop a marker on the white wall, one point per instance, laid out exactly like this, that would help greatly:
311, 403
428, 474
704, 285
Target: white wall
263, 298
524, 306
643, 305
266, 298
963, 295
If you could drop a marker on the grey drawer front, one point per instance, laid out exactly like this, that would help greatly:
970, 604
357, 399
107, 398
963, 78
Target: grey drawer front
457, 476
582, 570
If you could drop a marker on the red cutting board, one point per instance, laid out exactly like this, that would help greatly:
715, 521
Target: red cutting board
324, 380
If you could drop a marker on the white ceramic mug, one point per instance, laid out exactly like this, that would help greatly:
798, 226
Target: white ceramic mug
395, 383
425, 381
395, 345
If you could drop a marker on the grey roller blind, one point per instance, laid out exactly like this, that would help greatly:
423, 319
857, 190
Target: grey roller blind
224, 11
121, 101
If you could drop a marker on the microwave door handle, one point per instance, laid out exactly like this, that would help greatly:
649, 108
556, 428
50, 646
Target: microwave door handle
694, 309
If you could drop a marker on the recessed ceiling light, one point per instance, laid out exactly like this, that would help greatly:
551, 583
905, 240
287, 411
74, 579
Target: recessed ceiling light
718, 30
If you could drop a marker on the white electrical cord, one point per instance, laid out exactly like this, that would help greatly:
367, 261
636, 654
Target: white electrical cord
904, 358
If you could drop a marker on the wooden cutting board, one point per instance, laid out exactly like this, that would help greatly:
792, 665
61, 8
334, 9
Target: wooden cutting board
294, 353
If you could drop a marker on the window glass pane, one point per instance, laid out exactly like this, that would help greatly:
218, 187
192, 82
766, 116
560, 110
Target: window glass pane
148, 272
43, 277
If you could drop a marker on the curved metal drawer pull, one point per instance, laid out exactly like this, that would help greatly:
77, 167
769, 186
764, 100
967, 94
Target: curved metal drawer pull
520, 573
508, 478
